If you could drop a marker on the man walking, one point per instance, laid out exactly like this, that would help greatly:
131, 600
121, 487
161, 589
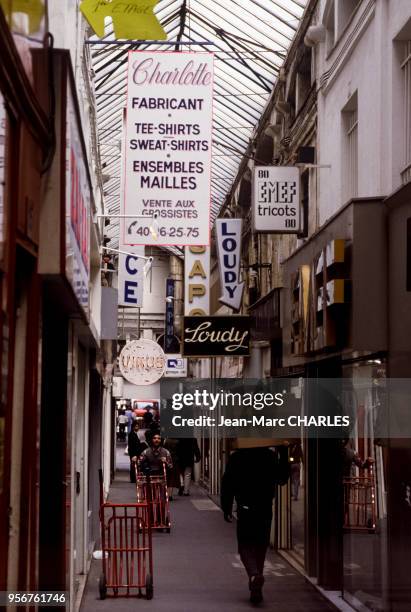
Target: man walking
250, 478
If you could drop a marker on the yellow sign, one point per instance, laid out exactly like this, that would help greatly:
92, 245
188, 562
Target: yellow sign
33, 8
132, 19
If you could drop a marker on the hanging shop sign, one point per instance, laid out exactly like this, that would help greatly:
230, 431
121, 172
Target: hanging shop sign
276, 199
176, 366
142, 362
197, 280
169, 338
168, 148
78, 206
228, 246
132, 19
216, 336
131, 279
34, 9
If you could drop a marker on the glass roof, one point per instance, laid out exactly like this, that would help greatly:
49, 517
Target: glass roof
249, 38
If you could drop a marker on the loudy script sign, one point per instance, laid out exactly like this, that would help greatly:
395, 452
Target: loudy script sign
216, 336
276, 199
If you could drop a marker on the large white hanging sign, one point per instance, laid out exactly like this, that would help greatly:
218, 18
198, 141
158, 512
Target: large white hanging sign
142, 362
168, 148
228, 246
276, 199
197, 280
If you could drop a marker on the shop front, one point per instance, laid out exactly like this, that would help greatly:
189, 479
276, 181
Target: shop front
335, 327
25, 144
69, 265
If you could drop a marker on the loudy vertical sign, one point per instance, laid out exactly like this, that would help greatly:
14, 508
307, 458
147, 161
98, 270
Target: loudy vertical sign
276, 201
228, 245
167, 150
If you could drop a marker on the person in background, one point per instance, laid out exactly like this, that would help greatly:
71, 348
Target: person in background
147, 420
251, 478
130, 419
122, 424
135, 448
187, 452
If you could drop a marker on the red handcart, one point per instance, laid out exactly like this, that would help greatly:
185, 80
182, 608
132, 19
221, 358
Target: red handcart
126, 548
153, 490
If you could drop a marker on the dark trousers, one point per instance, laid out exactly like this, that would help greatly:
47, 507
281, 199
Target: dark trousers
253, 536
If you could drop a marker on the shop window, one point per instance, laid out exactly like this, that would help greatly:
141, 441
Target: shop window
406, 78
350, 149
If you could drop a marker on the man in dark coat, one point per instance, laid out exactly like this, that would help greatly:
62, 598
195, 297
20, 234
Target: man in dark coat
251, 478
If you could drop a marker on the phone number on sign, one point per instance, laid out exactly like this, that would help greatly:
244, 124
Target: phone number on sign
45, 598
168, 232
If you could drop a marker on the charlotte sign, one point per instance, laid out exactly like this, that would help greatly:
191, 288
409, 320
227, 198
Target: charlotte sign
142, 362
216, 336
276, 199
131, 278
228, 246
167, 150
197, 280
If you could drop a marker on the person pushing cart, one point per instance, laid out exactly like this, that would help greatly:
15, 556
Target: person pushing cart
156, 463
152, 458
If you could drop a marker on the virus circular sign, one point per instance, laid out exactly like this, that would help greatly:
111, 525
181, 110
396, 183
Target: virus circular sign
142, 362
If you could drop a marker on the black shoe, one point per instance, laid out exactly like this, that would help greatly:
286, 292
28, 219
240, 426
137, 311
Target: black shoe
256, 586
180, 490
186, 494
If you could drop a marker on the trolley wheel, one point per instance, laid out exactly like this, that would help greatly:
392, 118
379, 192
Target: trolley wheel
102, 586
149, 587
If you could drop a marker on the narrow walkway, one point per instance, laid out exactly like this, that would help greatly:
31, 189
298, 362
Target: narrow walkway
197, 569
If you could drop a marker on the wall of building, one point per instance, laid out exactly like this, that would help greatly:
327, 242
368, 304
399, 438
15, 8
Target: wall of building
365, 60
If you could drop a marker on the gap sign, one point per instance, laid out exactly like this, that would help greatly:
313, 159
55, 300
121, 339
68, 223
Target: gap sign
276, 199
228, 246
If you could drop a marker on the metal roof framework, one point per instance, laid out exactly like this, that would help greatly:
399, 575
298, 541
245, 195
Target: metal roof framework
249, 39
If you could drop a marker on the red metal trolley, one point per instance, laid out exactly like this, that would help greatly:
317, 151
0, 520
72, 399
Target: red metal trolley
153, 489
126, 548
